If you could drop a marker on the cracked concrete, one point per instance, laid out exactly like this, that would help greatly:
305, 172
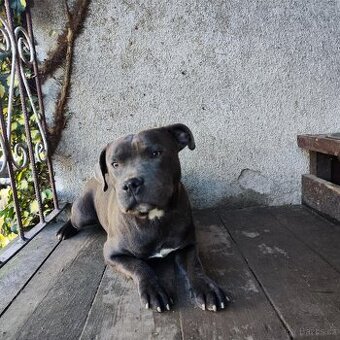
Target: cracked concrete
247, 77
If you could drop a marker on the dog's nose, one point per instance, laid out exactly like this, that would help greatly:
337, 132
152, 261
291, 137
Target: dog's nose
133, 184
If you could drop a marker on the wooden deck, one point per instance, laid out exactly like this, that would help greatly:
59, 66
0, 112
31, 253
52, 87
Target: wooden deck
281, 265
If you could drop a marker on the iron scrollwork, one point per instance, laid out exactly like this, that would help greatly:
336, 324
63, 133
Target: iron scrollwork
21, 49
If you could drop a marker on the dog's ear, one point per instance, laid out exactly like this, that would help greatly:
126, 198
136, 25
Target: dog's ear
101, 169
182, 135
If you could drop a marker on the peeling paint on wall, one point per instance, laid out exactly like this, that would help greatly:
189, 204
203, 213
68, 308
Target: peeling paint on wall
255, 181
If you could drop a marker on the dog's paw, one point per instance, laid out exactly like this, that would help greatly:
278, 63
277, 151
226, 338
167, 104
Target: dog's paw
208, 295
66, 231
153, 295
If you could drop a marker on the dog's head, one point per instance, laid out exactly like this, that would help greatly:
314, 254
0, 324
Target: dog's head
144, 169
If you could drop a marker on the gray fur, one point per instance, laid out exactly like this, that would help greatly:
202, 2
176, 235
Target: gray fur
138, 198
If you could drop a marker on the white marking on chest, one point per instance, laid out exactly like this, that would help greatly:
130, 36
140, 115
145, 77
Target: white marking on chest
155, 213
163, 252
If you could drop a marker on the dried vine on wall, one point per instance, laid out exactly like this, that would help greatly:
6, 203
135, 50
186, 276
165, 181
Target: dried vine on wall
62, 56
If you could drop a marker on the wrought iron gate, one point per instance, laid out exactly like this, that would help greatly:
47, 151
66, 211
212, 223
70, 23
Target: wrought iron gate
22, 109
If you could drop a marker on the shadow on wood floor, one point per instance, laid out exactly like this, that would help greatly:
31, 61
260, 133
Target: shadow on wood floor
281, 265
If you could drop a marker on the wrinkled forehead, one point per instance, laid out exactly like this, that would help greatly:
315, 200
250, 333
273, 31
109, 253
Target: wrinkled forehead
153, 137
121, 146
130, 144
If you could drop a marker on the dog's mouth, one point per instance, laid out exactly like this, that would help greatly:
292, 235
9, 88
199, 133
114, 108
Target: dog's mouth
145, 210
140, 209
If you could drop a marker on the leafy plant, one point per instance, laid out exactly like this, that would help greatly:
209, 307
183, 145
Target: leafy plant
27, 201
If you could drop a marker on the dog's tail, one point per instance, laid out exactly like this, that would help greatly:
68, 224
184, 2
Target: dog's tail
66, 231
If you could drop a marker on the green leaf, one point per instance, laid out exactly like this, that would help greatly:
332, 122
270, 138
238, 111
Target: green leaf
2, 90
47, 195
23, 185
18, 6
4, 240
27, 221
34, 207
16, 81
21, 174
14, 228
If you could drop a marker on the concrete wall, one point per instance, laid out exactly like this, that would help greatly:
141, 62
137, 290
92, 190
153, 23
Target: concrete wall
245, 76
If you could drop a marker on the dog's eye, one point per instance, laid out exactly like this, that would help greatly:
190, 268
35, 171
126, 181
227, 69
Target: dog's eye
115, 164
156, 154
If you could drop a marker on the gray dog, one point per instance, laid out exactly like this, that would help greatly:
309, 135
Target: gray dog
138, 198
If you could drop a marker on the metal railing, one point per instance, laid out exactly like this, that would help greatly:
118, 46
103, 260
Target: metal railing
26, 152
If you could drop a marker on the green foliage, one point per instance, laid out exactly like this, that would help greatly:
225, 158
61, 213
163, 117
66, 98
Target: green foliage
18, 6
23, 178
27, 202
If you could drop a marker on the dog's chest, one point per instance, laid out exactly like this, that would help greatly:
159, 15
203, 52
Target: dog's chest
163, 252
157, 239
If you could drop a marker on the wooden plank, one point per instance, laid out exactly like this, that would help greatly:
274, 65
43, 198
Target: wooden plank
55, 302
320, 143
250, 316
320, 234
116, 312
324, 166
313, 163
17, 244
17, 272
321, 195
294, 277
335, 171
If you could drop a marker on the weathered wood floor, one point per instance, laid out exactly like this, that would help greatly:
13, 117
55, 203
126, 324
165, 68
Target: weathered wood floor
280, 265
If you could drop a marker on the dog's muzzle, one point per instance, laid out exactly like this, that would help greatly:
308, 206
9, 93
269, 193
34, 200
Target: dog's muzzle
145, 210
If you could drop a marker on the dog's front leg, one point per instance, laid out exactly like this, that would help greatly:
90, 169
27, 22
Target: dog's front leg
207, 294
151, 293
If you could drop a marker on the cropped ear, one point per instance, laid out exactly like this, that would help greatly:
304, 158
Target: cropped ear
182, 135
101, 169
